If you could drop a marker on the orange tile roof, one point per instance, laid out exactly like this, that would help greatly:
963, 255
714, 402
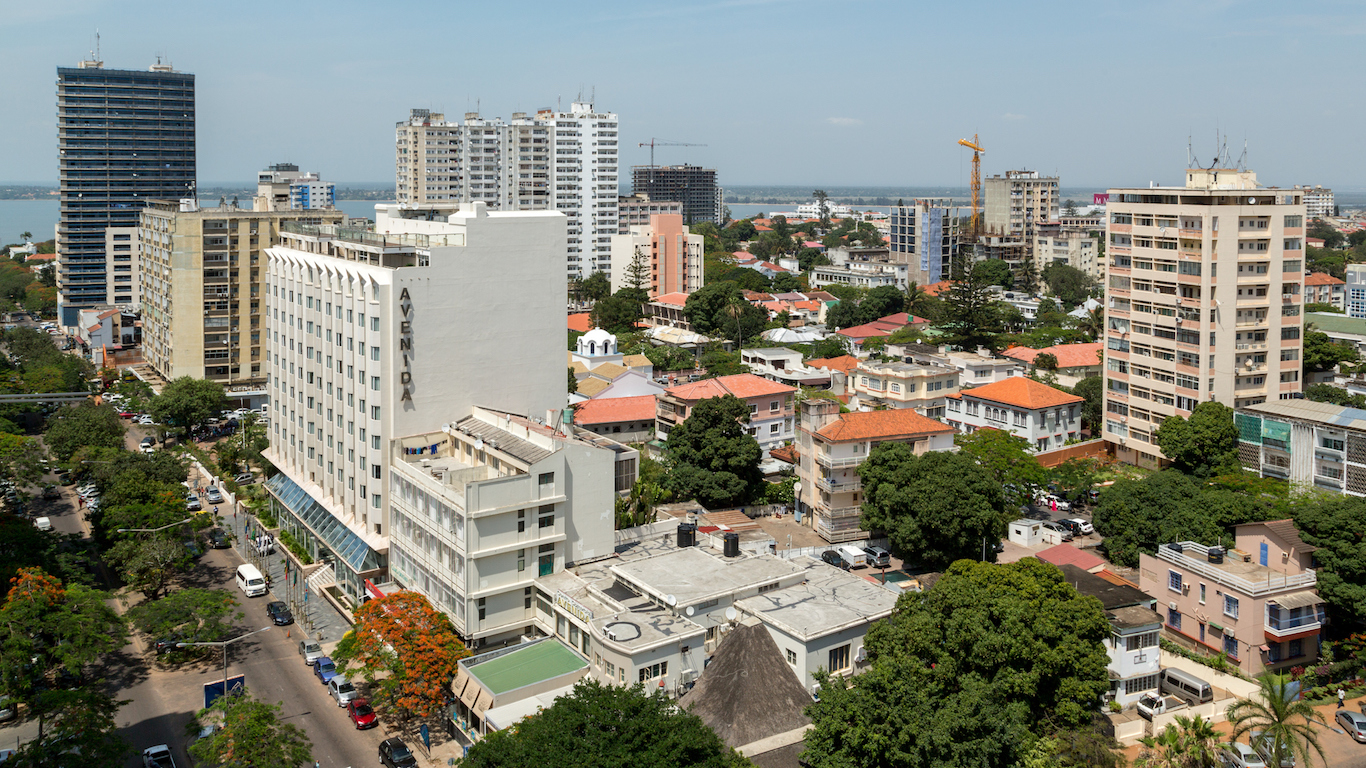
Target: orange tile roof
844, 363
581, 322
1022, 392
1069, 355
1065, 554
1115, 578
742, 385
1319, 278
674, 299
616, 409
939, 288
786, 453
881, 425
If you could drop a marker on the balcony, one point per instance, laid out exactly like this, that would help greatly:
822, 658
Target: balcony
1283, 621
825, 460
838, 486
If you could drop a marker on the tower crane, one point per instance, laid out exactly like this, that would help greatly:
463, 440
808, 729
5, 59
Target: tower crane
652, 143
977, 151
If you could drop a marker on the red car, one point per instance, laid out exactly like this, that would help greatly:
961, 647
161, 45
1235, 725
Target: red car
361, 714
127, 414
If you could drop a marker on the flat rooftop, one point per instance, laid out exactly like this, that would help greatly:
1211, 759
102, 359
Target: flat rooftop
692, 576
632, 620
1111, 595
1327, 414
1134, 617
829, 600
525, 666
1246, 576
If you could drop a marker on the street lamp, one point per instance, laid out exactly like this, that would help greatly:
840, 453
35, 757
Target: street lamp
154, 530
224, 645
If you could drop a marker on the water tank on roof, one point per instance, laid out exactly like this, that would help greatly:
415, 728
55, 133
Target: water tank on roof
687, 535
732, 544
1216, 555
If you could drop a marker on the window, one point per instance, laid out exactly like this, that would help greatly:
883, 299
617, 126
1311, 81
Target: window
1231, 606
1140, 684
839, 659
791, 657
654, 671
774, 429
546, 522
1137, 642
1174, 619
1202, 594
374, 411
1174, 581
1296, 649
374, 322
1230, 644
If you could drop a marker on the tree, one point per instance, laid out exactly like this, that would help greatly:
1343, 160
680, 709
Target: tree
1205, 444
1321, 230
823, 205
1322, 306
26, 236
967, 673
615, 314
1069, 208
720, 310
1046, 361
1323, 354
1075, 477
83, 425
1006, 458
1283, 717
1327, 393
937, 508
712, 457
1092, 390
597, 286
719, 362
970, 317
402, 635
1189, 743
21, 459
808, 258
997, 272
573, 382
786, 282
249, 733
1068, 283
195, 615
1138, 515
1093, 323
1334, 524
748, 279
187, 403
606, 726
637, 278
76, 729
148, 564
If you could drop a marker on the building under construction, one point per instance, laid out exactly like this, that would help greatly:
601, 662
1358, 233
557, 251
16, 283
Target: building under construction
692, 185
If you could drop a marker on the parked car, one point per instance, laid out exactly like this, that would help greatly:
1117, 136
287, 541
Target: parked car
342, 689
279, 613
311, 651
1264, 745
832, 557
192, 547
362, 714
206, 732
1059, 528
325, 669
43, 524
158, 757
395, 754
212, 495
51, 492
246, 478
167, 644
1077, 526
1354, 723
1063, 504
8, 709
192, 503
1239, 755
878, 557
218, 538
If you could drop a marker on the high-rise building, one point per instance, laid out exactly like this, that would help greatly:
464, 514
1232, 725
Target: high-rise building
1319, 203
636, 210
563, 161
925, 236
1203, 301
201, 271
1016, 204
123, 137
693, 186
282, 187
672, 254
392, 332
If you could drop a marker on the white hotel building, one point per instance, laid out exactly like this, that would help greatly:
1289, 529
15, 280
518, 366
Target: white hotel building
563, 161
374, 335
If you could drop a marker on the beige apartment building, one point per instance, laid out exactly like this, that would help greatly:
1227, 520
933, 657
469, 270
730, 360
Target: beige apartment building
920, 386
201, 288
1203, 301
1017, 203
672, 254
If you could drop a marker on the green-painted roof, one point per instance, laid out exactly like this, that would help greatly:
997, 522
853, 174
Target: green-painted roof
1331, 322
542, 661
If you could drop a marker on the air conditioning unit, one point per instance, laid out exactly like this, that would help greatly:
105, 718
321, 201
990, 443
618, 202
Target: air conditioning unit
1173, 606
1185, 589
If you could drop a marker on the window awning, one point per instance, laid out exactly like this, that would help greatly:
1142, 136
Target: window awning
1297, 600
1219, 627
1263, 649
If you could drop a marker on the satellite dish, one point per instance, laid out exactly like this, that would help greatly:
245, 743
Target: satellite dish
479, 444
1252, 201
445, 427
671, 600
732, 614
689, 610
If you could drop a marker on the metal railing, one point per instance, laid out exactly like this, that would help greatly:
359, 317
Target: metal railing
1274, 582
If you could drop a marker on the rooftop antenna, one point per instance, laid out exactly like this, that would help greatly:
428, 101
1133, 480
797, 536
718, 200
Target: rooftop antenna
1242, 159
97, 45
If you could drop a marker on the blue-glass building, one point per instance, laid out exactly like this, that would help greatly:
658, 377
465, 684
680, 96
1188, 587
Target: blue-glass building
123, 136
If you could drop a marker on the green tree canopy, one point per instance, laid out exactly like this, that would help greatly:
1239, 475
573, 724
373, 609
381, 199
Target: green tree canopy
76, 729
1046, 361
786, 282
250, 732
1327, 393
969, 673
1335, 524
615, 314
1068, 283
1092, 390
719, 362
1205, 444
187, 403
606, 726
596, 286
714, 460
1323, 354
81, 426
1285, 719
997, 272
1006, 458
935, 508
197, 615
971, 319
719, 310
1138, 515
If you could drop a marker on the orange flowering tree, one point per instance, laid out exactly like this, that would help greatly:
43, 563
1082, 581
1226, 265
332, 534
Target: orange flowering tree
408, 647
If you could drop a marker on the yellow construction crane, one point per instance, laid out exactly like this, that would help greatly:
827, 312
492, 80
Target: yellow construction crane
977, 151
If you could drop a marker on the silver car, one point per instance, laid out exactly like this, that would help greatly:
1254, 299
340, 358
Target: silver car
342, 689
1239, 755
311, 651
1354, 723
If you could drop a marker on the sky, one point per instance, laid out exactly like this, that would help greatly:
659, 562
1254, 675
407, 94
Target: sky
781, 92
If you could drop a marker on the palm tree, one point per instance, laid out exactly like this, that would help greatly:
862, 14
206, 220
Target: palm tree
1093, 324
914, 293
1190, 743
1281, 716
26, 236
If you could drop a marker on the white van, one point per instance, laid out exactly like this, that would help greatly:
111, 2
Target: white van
250, 580
855, 557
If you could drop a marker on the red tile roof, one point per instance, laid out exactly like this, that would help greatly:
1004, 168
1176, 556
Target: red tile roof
821, 296
1022, 392
579, 321
1065, 554
1319, 278
1069, 355
672, 299
844, 363
742, 385
938, 289
786, 453
882, 425
615, 410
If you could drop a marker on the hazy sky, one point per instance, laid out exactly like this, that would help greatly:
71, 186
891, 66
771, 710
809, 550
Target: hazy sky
820, 93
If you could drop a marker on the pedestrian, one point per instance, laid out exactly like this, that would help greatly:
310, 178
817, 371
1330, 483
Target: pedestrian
1342, 696
215, 510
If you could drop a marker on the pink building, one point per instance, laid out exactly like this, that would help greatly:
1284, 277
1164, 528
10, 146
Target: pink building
1256, 602
770, 406
672, 251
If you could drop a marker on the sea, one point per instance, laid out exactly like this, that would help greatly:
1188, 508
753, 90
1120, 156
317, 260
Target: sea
40, 216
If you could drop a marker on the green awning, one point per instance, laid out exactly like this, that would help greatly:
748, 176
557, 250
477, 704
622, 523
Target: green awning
1276, 430
1249, 428
1217, 627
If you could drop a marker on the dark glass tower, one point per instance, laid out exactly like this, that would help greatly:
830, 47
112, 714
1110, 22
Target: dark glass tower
123, 136
693, 186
